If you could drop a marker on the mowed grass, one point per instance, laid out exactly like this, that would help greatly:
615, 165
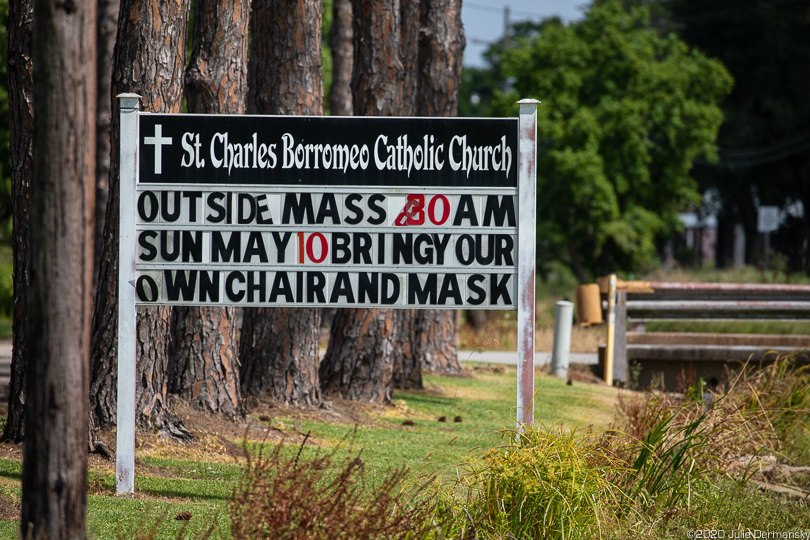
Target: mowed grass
485, 404
484, 401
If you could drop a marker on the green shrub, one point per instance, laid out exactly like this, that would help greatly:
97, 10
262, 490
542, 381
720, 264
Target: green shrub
545, 482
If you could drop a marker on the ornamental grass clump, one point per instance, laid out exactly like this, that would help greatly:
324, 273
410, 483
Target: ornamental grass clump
546, 482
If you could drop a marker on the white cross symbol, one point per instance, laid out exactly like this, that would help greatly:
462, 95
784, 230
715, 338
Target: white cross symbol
158, 141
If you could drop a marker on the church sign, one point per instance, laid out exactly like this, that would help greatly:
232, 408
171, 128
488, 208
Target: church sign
316, 211
296, 211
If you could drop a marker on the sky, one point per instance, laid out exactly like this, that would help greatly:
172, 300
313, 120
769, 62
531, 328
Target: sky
484, 20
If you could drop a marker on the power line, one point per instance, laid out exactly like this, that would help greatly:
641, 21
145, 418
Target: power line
490, 9
754, 160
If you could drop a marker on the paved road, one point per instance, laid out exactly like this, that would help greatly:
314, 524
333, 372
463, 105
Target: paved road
510, 357
489, 357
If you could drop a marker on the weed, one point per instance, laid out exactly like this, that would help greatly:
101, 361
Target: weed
281, 496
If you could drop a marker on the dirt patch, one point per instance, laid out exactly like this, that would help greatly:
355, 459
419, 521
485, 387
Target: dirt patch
337, 411
10, 450
8, 510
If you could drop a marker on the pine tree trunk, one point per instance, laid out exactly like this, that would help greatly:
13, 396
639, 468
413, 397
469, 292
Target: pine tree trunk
340, 41
366, 345
21, 132
275, 339
148, 60
204, 360
105, 40
358, 362
279, 346
152, 407
441, 47
436, 343
407, 363
60, 270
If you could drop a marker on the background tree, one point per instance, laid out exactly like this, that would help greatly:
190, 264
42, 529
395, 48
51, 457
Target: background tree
359, 361
60, 272
340, 42
440, 51
279, 346
105, 43
21, 128
149, 60
203, 353
764, 141
626, 112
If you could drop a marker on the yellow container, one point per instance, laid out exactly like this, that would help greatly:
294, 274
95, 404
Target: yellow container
589, 305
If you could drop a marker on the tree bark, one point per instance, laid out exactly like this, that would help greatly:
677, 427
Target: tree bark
365, 345
407, 363
216, 76
436, 344
105, 43
379, 77
279, 347
441, 47
21, 132
204, 360
274, 339
340, 41
60, 270
148, 60
358, 362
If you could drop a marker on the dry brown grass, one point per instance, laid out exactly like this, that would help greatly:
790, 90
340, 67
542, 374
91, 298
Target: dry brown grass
283, 497
500, 334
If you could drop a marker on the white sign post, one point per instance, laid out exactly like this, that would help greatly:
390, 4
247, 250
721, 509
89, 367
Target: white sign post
407, 213
125, 420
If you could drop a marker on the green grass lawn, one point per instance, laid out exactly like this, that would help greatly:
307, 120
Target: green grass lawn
485, 403
170, 482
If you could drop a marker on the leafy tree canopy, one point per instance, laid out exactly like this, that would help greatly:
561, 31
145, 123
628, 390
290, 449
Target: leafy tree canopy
625, 113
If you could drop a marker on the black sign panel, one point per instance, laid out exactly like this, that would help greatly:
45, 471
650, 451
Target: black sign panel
321, 151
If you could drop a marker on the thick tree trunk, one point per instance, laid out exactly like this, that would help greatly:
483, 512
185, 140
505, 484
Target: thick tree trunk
406, 361
436, 344
60, 272
274, 340
152, 406
365, 345
216, 76
279, 347
378, 78
358, 362
204, 360
148, 60
340, 41
105, 43
441, 47
21, 132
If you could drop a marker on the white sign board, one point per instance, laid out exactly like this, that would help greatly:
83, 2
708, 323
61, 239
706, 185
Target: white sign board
323, 211
768, 219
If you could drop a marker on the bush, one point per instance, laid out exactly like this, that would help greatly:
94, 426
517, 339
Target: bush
282, 497
544, 483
